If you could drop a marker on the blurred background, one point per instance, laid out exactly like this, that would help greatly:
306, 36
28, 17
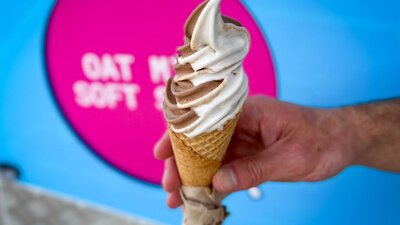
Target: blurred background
80, 90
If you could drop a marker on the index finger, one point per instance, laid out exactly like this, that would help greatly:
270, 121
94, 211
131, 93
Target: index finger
163, 148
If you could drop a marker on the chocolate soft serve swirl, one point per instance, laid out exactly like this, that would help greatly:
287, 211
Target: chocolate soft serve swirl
210, 85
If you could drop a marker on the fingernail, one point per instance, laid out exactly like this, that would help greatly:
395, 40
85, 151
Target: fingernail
226, 179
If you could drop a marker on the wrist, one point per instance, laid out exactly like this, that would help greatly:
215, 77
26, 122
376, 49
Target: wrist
354, 142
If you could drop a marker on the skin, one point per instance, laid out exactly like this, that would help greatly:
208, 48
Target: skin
278, 141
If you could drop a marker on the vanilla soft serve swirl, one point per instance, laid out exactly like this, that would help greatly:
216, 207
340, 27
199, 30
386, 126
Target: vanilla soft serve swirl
210, 85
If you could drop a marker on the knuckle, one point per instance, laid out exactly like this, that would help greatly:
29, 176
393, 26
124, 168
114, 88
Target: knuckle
255, 172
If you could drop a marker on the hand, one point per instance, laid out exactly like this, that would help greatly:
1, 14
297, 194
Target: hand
274, 141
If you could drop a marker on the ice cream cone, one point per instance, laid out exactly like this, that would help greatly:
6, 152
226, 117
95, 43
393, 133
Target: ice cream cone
199, 158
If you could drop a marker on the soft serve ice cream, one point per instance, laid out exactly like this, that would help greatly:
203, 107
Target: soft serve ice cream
202, 106
210, 85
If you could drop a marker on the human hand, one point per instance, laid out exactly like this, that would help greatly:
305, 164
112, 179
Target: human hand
274, 141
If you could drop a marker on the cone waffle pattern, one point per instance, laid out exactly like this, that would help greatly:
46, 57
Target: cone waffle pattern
199, 158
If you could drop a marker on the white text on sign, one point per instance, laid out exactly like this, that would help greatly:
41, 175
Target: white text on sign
109, 85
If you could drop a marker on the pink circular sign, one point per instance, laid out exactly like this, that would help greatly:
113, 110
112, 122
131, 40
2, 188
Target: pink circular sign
108, 63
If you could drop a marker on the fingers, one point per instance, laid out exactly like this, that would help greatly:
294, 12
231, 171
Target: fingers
248, 123
174, 200
163, 148
171, 183
170, 180
259, 121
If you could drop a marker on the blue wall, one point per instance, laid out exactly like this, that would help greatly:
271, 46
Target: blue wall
327, 53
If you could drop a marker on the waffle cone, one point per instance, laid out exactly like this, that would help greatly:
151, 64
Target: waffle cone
199, 158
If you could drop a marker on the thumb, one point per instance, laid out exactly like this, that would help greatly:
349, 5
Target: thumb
279, 162
242, 174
